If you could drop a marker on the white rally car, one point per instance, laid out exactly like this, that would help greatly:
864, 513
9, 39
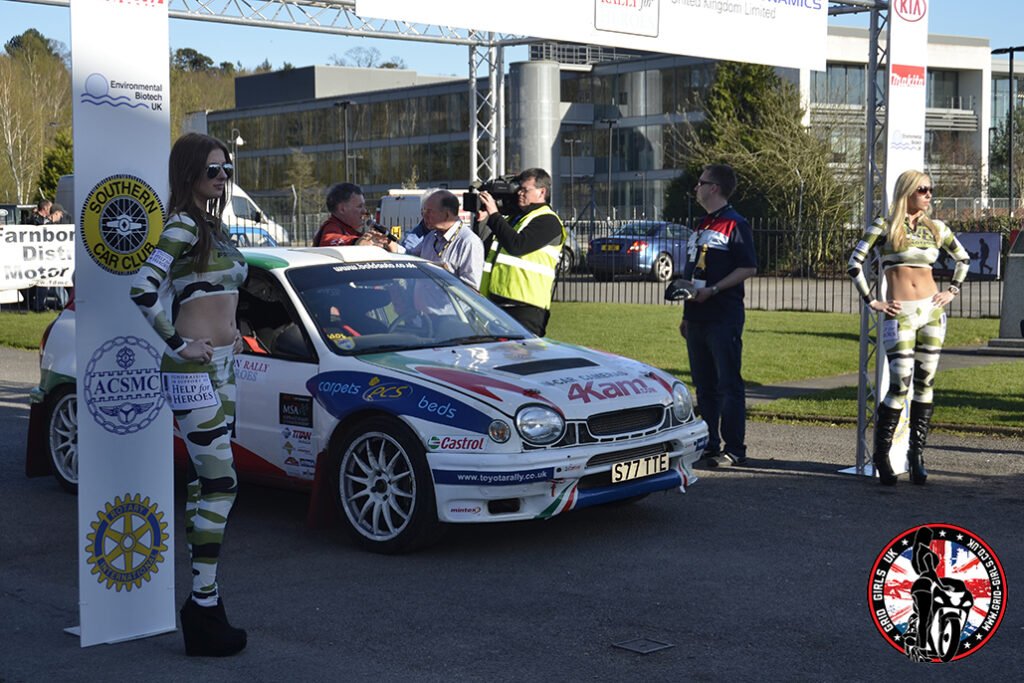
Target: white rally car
384, 383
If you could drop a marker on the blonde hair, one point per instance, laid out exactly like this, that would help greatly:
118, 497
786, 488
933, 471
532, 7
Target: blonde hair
906, 185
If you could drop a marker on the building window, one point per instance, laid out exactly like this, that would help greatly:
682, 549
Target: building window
943, 90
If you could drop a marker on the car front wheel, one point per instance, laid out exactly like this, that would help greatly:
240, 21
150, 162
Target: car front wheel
384, 488
62, 437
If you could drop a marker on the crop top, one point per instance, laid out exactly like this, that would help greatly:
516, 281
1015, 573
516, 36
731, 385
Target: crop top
171, 266
921, 252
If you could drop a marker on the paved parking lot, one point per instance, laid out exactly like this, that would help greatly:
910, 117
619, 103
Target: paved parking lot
757, 573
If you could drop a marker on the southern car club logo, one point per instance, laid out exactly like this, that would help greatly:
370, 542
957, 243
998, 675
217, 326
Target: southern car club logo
910, 10
122, 385
122, 219
127, 542
937, 593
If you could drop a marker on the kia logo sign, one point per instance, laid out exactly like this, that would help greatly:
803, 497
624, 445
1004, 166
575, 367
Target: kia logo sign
910, 10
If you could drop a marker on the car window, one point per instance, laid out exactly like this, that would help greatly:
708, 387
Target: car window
394, 305
677, 232
243, 208
268, 322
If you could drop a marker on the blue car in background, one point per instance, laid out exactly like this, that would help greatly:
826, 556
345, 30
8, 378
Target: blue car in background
654, 249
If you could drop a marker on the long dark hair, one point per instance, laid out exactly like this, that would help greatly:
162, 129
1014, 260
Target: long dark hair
187, 164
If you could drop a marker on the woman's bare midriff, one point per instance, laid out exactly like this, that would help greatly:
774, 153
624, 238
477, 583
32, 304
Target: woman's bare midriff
211, 317
910, 284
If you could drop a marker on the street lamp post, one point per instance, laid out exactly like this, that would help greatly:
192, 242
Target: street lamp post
1009, 130
611, 124
236, 142
572, 174
344, 107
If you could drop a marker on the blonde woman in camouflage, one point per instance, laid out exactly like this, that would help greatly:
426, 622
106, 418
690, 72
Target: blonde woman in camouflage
913, 325
204, 271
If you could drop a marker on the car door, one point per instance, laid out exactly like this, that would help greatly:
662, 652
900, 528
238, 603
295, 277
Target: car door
677, 236
275, 434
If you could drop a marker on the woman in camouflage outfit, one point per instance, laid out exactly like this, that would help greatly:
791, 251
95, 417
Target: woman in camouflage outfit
196, 264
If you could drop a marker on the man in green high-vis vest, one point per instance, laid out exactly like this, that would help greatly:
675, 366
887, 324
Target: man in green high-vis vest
520, 264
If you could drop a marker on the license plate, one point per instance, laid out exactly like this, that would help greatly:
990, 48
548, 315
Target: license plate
610, 247
641, 467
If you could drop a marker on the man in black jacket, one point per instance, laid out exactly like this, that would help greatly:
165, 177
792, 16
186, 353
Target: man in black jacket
519, 267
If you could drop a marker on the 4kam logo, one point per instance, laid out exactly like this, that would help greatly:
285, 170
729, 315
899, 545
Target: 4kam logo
937, 593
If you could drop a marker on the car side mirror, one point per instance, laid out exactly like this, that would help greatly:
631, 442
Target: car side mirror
257, 216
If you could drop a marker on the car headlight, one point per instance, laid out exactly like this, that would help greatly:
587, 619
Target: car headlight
540, 424
499, 431
682, 404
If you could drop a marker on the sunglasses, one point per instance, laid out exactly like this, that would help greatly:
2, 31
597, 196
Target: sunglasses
706, 182
213, 170
924, 189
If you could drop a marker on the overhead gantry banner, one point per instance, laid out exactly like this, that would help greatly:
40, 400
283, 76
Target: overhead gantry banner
788, 33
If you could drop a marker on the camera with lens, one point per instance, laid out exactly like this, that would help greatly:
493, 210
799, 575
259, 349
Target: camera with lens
504, 189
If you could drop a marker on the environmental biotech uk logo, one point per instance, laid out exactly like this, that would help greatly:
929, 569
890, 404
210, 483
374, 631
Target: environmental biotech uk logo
937, 593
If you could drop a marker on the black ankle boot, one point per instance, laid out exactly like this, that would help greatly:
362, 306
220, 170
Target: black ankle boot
207, 631
886, 420
920, 423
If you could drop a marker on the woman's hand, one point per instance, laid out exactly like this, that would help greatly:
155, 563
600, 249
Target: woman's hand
890, 308
943, 298
239, 345
199, 350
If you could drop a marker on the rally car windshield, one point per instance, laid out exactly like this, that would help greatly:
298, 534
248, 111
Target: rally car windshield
378, 306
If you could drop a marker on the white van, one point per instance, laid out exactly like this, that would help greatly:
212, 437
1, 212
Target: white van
401, 209
241, 215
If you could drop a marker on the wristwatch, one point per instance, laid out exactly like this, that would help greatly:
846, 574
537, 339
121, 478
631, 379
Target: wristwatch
714, 290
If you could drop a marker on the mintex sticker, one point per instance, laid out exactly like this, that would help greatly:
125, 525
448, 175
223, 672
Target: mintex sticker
189, 390
890, 332
161, 259
296, 410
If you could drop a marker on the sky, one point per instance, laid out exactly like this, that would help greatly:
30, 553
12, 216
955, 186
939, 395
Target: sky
1001, 21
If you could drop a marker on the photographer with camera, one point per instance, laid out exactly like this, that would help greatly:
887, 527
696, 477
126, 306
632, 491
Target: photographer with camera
519, 269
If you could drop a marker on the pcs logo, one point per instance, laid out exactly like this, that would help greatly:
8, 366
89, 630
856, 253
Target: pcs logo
385, 392
937, 593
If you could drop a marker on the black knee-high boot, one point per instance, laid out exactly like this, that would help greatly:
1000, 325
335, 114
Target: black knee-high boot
886, 420
920, 423
207, 631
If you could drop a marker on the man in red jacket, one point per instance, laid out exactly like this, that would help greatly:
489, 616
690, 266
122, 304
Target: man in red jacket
347, 206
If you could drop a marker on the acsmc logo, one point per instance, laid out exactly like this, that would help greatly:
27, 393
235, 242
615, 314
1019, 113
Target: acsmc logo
910, 10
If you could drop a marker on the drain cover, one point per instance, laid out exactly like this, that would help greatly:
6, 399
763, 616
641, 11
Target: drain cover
644, 646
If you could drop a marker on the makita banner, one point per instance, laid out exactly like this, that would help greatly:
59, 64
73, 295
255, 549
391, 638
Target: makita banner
120, 100
789, 33
908, 70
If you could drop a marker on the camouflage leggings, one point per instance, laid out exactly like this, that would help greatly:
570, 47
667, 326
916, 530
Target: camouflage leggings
202, 397
913, 342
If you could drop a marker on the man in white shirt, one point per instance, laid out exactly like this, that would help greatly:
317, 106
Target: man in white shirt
450, 242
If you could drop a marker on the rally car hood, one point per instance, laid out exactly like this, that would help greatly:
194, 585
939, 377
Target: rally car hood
574, 380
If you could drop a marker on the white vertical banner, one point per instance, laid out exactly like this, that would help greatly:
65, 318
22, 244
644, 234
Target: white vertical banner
904, 149
908, 69
120, 81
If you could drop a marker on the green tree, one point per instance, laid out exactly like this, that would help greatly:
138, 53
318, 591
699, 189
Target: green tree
57, 161
999, 149
35, 102
302, 181
753, 121
187, 59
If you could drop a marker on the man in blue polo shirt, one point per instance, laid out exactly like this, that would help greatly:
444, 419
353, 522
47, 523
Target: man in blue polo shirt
722, 251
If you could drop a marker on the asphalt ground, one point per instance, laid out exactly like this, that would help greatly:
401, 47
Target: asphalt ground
757, 573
